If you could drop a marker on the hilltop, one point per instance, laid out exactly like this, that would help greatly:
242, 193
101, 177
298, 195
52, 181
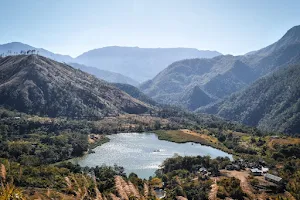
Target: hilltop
271, 103
15, 48
223, 75
37, 85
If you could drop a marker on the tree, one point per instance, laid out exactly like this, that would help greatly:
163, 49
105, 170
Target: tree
157, 125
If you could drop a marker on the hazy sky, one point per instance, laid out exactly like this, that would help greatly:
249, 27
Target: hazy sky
73, 27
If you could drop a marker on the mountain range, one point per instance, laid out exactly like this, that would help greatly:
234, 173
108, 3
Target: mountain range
38, 85
221, 76
109, 76
260, 88
15, 48
140, 64
129, 65
272, 103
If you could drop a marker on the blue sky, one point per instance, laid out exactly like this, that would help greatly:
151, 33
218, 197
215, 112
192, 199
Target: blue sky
73, 27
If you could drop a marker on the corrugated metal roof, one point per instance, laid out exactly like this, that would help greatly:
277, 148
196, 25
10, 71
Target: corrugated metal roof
256, 170
273, 177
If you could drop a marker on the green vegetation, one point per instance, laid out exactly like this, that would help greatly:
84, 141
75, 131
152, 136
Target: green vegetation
33, 143
34, 147
279, 153
276, 109
135, 93
30, 144
230, 187
99, 142
178, 136
55, 89
272, 103
181, 176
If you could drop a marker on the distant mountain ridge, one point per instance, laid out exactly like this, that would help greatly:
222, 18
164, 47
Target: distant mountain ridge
17, 47
111, 77
135, 93
223, 75
139, 63
132, 64
38, 85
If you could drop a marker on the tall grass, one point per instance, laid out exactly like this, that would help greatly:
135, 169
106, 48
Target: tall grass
8, 191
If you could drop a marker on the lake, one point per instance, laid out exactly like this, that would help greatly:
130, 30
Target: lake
142, 153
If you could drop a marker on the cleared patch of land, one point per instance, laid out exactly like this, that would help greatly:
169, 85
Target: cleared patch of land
243, 177
282, 141
185, 135
96, 140
214, 190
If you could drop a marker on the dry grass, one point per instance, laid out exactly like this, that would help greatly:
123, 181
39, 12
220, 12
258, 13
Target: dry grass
282, 141
3, 172
119, 187
7, 189
126, 190
114, 197
214, 190
129, 120
181, 198
243, 176
146, 190
133, 190
185, 135
200, 135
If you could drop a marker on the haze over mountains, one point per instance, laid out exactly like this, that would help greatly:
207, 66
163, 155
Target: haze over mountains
221, 76
16, 47
129, 65
140, 64
258, 89
105, 75
37, 85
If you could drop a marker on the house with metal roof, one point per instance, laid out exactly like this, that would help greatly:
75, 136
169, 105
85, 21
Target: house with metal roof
264, 169
272, 178
203, 170
256, 172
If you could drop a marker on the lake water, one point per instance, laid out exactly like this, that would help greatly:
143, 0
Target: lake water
142, 153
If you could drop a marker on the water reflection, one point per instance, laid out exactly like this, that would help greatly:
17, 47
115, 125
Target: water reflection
142, 153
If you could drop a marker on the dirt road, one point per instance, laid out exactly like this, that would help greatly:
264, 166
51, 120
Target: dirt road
242, 176
214, 190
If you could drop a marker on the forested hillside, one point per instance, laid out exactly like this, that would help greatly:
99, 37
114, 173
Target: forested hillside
38, 85
135, 93
223, 75
272, 103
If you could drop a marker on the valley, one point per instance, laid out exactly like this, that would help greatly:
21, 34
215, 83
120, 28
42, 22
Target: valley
195, 84
130, 123
243, 142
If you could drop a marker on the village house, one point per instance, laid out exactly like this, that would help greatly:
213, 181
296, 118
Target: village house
233, 167
256, 172
274, 179
259, 171
203, 170
264, 169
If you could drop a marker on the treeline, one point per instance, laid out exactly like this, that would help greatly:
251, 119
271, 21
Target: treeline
181, 175
32, 143
198, 121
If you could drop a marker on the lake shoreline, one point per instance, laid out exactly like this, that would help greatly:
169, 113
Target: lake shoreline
163, 135
143, 153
